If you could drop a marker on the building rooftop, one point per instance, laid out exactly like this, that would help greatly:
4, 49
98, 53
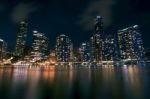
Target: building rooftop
129, 28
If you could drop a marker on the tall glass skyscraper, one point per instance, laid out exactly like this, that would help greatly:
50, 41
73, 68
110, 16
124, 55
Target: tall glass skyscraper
21, 39
2, 49
110, 52
85, 52
64, 49
130, 44
97, 40
39, 46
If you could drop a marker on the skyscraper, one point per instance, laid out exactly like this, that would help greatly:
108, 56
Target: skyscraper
97, 40
85, 52
21, 39
130, 44
64, 49
110, 51
2, 49
39, 46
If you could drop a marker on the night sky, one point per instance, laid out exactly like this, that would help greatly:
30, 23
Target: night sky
74, 18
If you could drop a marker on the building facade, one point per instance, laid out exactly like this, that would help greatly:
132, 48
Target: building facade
2, 49
64, 49
97, 40
39, 46
110, 51
130, 44
21, 39
85, 52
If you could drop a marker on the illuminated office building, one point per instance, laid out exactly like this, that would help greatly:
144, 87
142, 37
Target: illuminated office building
97, 40
21, 39
2, 49
130, 44
64, 49
39, 46
110, 52
85, 52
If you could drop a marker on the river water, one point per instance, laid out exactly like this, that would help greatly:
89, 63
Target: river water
106, 82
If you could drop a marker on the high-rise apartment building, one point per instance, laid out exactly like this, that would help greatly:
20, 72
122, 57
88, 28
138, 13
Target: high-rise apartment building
64, 49
21, 39
39, 46
85, 52
110, 51
2, 49
97, 40
130, 44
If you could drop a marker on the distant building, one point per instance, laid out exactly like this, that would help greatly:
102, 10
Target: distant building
64, 49
110, 51
130, 44
85, 52
2, 49
39, 46
52, 57
21, 39
97, 40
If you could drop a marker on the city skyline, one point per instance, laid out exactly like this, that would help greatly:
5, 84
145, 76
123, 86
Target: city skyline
23, 27
74, 49
126, 46
54, 18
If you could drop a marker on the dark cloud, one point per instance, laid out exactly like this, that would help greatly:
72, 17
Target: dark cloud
23, 11
2, 7
97, 7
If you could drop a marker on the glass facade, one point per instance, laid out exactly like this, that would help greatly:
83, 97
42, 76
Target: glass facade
21, 39
110, 52
64, 49
130, 44
85, 52
39, 46
97, 40
2, 49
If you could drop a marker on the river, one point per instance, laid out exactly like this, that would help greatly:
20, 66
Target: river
104, 82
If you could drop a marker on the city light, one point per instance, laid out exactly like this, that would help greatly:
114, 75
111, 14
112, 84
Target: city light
126, 46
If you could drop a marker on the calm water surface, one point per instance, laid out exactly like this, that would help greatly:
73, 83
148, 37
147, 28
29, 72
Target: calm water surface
108, 82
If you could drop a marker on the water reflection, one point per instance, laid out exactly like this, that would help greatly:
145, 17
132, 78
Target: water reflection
19, 76
49, 74
133, 82
128, 82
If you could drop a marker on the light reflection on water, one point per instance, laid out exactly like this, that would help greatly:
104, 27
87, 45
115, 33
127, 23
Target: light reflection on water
107, 82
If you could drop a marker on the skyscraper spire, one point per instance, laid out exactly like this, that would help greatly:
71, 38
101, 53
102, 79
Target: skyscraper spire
97, 40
